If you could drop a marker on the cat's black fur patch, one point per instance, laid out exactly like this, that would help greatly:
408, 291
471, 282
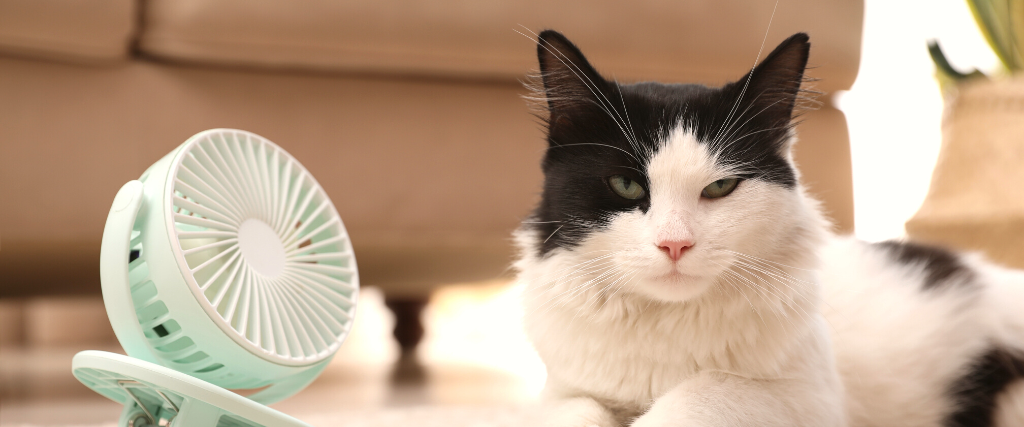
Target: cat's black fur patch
598, 128
942, 267
975, 393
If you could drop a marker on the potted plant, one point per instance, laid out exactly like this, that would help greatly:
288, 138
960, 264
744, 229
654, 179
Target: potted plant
976, 197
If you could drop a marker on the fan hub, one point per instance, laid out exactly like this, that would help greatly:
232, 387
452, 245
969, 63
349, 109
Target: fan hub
261, 247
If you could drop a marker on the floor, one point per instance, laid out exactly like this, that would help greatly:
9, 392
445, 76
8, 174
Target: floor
474, 353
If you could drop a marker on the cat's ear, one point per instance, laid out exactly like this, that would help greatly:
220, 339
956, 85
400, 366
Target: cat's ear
571, 84
773, 87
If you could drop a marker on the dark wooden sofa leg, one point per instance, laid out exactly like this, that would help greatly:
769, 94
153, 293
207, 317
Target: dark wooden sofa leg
408, 332
408, 325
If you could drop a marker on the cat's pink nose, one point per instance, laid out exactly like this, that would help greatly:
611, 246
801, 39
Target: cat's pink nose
675, 248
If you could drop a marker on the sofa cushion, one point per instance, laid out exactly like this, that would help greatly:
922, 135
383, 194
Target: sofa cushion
68, 29
703, 40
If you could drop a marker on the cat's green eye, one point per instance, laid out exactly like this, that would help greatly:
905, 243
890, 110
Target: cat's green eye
720, 188
625, 187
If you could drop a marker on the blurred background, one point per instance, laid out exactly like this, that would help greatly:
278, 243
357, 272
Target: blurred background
409, 115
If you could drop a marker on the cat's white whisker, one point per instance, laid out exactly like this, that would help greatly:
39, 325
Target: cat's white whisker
553, 233
773, 272
755, 133
599, 145
753, 67
780, 295
753, 308
765, 267
766, 287
598, 265
763, 293
629, 122
766, 108
569, 273
718, 141
617, 285
596, 296
602, 101
765, 260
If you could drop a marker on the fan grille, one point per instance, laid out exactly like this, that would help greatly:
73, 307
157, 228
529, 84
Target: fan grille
263, 245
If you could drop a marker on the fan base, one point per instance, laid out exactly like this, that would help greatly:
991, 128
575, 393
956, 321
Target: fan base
157, 396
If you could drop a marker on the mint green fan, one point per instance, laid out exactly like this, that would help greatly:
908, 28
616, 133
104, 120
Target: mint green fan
224, 267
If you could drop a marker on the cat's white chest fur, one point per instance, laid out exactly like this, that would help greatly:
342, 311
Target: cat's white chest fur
610, 360
628, 351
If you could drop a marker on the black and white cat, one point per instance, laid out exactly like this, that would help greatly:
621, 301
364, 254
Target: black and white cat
677, 274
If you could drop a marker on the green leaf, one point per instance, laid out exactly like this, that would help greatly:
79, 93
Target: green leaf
1016, 10
947, 75
993, 19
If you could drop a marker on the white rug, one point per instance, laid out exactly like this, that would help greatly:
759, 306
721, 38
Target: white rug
417, 416
432, 416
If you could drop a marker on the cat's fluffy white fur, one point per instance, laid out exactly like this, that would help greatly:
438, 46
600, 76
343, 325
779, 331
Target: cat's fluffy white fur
898, 348
767, 320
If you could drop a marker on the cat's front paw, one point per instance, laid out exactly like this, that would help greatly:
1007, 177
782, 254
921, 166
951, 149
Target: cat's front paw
652, 420
578, 412
663, 414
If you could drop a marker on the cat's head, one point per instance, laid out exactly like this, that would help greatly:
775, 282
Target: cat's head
665, 190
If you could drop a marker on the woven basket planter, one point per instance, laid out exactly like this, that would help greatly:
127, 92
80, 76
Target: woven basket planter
976, 198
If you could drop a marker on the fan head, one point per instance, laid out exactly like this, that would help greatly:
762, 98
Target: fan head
228, 262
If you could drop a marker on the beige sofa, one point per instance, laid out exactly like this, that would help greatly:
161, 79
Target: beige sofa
408, 113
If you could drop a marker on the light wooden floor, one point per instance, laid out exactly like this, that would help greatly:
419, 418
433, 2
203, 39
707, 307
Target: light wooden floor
474, 353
